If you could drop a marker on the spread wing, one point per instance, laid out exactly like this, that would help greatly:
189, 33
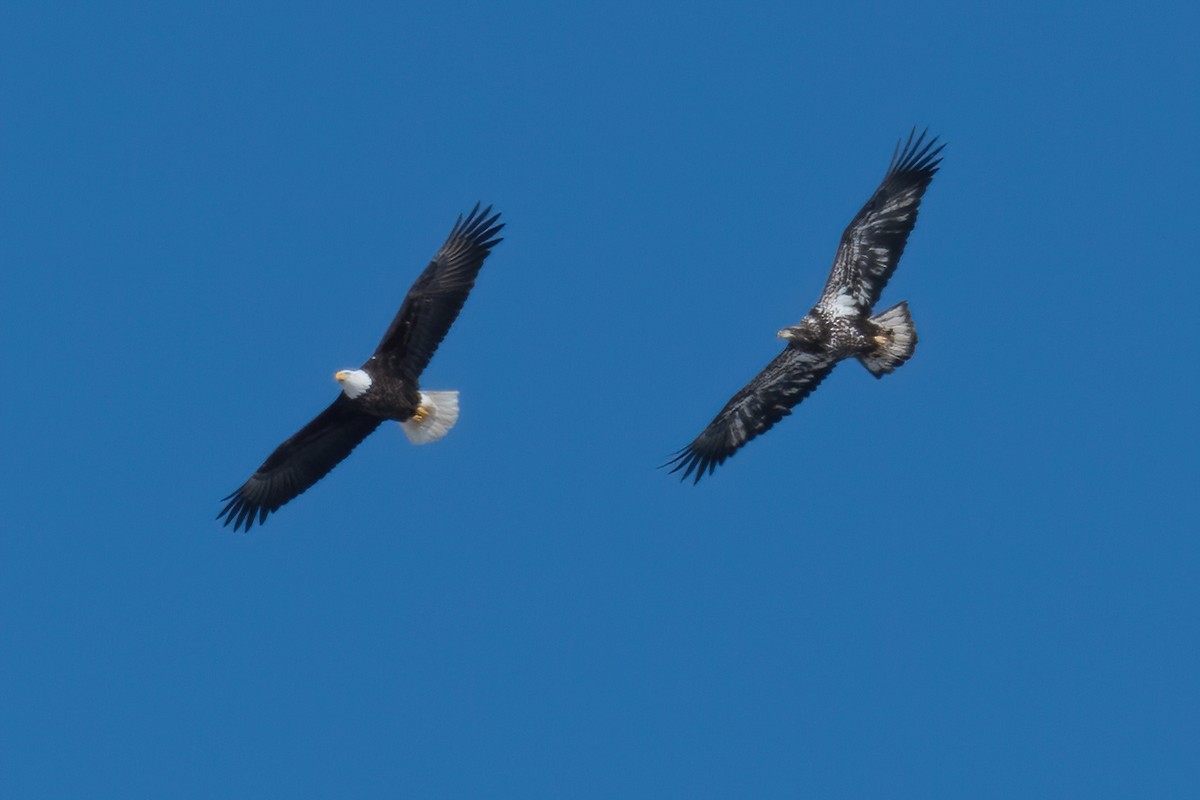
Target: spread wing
768, 398
299, 462
433, 302
873, 242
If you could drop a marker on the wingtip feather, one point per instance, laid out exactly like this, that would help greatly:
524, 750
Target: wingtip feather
480, 226
693, 464
917, 154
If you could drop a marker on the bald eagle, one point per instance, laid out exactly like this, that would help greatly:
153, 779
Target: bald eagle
385, 387
840, 325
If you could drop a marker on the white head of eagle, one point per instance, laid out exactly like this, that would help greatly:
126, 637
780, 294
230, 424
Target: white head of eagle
354, 382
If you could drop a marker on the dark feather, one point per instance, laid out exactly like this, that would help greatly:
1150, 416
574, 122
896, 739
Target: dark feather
769, 397
873, 242
437, 296
299, 462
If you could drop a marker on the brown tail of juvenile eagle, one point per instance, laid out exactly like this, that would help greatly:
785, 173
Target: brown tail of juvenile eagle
896, 340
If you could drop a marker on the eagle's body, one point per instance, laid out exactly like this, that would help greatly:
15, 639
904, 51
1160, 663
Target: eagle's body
841, 324
388, 396
386, 387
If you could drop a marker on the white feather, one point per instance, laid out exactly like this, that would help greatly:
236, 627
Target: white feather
441, 414
354, 382
844, 305
890, 355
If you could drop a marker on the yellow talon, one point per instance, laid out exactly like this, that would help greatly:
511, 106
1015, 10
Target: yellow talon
420, 414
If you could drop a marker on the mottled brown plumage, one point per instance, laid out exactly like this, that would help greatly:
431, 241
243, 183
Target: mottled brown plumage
840, 325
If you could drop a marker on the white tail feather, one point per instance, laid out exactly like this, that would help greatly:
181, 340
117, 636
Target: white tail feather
901, 335
441, 413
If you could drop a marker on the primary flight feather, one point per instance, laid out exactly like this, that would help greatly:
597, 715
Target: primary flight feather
840, 325
385, 387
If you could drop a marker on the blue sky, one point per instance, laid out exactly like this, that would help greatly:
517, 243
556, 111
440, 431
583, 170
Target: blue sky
974, 578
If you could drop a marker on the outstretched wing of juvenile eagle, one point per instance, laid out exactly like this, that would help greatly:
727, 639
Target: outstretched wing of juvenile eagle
873, 242
769, 397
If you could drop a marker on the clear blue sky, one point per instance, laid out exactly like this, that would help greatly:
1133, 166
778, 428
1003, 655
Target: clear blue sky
976, 577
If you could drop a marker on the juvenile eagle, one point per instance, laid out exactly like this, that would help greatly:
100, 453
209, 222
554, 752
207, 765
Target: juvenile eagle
840, 325
385, 387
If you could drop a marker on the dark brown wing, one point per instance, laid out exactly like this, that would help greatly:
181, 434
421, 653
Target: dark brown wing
299, 462
433, 302
873, 243
788, 379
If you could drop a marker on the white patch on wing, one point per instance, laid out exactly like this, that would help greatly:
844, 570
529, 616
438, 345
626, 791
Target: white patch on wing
441, 414
844, 305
